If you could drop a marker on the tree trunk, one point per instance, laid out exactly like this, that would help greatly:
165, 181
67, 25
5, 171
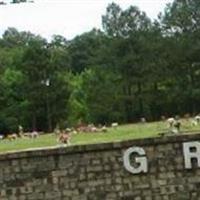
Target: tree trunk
49, 119
141, 106
127, 102
34, 121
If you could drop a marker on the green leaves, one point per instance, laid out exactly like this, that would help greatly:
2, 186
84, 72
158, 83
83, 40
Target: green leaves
182, 16
122, 23
132, 69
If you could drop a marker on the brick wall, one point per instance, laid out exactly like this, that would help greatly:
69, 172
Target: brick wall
96, 172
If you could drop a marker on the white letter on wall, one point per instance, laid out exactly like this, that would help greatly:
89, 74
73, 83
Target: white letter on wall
142, 161
189, 154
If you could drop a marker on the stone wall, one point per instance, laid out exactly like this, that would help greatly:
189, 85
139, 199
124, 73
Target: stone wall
96, 172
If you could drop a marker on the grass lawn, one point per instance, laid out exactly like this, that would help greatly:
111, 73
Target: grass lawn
123, 132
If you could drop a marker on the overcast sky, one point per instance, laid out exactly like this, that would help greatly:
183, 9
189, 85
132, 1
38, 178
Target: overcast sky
66, 17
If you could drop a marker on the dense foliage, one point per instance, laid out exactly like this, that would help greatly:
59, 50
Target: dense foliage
4, 2
133, 68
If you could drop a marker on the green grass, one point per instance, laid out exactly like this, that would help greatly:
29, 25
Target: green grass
123, 132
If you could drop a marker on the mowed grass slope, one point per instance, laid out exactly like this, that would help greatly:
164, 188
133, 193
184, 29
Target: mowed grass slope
123, 132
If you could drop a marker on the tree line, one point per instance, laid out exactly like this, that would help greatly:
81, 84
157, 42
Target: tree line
5, 2
133, 68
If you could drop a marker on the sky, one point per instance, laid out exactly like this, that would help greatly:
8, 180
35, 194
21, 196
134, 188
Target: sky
68, 18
